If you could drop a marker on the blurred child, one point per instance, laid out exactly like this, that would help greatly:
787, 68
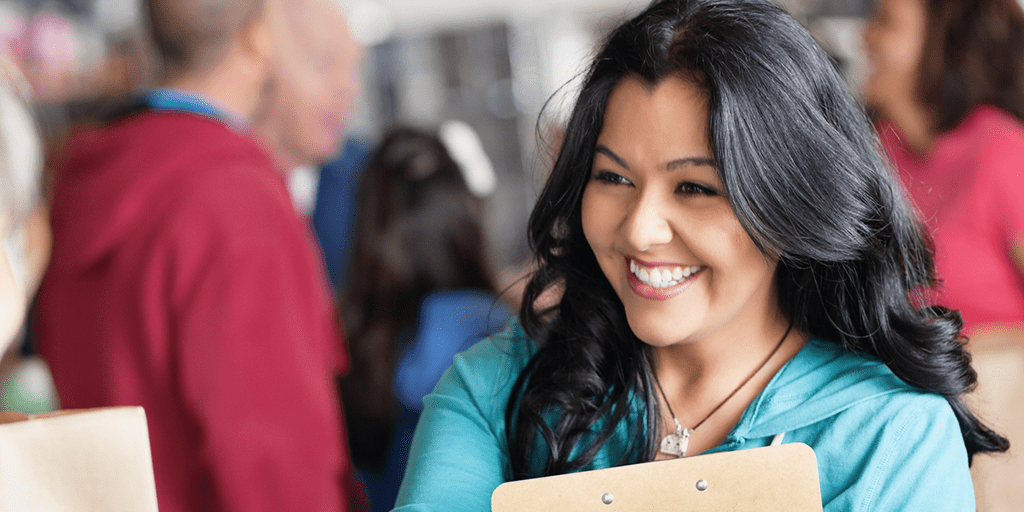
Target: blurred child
420, 290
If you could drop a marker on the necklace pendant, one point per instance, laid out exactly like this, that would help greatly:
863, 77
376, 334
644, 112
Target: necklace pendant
675, 444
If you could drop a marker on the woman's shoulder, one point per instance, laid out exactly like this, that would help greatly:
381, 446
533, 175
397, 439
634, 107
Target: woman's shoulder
458, 455
992, 128
825, 380
889, 445
872, 432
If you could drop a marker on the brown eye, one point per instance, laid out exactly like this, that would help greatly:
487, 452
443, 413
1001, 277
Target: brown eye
611, 178
691, 188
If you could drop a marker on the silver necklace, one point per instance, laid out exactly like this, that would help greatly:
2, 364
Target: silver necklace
675, 444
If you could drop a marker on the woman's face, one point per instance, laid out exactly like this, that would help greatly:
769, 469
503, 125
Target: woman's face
894, 39
656, 215
24, 243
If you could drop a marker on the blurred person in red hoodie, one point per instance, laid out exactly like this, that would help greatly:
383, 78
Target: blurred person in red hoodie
182, 279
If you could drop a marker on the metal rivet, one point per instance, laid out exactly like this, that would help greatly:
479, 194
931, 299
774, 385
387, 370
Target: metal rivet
608, 498
702, 485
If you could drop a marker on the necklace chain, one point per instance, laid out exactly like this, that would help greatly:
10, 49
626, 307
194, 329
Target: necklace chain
680, 431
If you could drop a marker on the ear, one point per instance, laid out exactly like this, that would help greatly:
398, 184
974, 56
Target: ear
258, 35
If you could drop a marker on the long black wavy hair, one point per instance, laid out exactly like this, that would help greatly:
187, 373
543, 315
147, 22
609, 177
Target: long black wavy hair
805, 178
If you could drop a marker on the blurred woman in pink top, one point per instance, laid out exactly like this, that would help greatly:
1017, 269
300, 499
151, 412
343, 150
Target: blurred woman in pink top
947, 82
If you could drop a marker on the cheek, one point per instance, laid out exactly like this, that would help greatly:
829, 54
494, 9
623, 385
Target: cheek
599, 229
40, 245
13, 304
727, 248
903, 58
742, 246
901, 44
310, 126
590, 219
754, 270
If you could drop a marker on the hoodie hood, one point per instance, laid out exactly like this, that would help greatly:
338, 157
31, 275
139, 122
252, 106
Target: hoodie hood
123, 177
821, 381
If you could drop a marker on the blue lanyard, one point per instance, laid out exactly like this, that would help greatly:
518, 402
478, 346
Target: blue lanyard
177, 100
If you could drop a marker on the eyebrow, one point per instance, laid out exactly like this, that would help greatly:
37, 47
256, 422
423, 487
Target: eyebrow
674, 164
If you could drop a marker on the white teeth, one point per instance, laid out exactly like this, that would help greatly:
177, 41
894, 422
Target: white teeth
656, 278
661, 278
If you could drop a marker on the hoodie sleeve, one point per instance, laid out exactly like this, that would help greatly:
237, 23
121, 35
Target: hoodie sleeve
254, 342
917, 461
458, 454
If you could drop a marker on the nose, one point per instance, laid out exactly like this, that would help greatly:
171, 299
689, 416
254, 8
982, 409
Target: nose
647, 225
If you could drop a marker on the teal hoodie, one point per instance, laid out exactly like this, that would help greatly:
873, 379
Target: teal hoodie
881, 444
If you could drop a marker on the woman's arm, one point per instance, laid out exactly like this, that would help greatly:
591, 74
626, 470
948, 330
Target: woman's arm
458, 454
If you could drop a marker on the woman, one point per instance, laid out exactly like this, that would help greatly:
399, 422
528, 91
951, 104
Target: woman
948, 86
423, 292
947, 82
24, 230
738, 267
24, 241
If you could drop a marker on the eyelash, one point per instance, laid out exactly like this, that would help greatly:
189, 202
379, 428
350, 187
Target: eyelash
693, 188
686, 187
611, 178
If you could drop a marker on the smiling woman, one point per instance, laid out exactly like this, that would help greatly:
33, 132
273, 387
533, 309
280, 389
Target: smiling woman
656, 207
738, 267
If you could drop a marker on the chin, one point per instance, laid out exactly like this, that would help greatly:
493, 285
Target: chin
651, 333
328, 150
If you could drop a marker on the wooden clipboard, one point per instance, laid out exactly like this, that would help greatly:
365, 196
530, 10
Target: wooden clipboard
775, 478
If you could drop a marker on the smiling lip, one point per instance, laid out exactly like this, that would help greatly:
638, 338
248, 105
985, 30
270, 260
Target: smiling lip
649, 292
652, 264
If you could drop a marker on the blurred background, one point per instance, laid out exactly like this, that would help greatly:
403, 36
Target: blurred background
506, 68
490, 63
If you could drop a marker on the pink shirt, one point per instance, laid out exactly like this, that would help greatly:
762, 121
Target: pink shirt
970, 192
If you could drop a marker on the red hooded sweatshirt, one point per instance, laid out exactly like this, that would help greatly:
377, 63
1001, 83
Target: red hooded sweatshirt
182, 280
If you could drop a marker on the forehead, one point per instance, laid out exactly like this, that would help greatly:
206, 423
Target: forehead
656, 124
324, 27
